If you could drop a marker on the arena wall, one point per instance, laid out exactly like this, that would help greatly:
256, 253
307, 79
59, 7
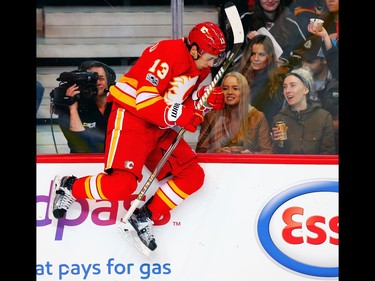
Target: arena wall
256, 218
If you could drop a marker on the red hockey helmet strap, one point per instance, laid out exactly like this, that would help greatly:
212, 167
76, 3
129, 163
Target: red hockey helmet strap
209, 38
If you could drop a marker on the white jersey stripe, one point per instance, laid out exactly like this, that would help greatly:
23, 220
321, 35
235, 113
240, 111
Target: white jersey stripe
93, 188
171, 194
125, 88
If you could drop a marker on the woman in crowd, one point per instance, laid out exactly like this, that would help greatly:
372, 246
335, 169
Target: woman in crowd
330, 15
239, 127
259, 66
309, 127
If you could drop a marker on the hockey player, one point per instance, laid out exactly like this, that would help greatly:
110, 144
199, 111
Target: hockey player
158, 93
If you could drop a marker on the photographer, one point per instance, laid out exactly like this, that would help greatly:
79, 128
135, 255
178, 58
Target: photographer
83, 115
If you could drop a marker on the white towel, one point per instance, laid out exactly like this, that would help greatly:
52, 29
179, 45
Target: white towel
278, 50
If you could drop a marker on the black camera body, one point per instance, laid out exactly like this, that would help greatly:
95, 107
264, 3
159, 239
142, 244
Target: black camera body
85, 80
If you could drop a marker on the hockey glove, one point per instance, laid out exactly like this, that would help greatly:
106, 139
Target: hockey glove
186, 117
215, 100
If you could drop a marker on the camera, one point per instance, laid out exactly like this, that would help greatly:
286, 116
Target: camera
85, 80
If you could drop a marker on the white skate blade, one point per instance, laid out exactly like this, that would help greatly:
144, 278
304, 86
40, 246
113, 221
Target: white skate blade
131, 235
56, 182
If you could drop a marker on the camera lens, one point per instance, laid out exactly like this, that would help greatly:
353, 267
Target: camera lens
88, 91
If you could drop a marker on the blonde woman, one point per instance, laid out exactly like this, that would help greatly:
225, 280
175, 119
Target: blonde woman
239, 127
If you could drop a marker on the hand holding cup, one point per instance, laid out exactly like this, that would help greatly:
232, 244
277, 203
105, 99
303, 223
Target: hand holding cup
316, 24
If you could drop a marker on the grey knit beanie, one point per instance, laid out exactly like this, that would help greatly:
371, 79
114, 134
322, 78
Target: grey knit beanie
305, 76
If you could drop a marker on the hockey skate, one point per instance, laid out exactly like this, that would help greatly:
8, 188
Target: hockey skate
61, 196
137, 230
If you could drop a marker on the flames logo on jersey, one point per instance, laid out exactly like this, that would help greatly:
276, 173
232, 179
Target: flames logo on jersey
180, 89
129, 164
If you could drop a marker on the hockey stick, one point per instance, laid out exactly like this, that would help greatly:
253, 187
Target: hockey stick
238, 34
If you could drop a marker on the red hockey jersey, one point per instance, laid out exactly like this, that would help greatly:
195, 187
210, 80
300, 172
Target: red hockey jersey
164, 74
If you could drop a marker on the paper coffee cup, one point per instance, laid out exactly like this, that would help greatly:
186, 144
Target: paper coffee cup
316, 24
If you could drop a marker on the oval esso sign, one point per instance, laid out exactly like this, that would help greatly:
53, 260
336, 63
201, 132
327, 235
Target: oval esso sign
299, 228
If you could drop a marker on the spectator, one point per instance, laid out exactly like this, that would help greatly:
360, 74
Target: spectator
84, 122
258, 64
278, 19
326, 88
309, 126
39, 94
157, 94
239, 127
330, 50
330, 15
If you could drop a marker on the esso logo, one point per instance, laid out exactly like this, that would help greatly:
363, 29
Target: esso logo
299, 228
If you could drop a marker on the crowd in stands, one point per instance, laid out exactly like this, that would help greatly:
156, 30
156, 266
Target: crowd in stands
299, 84
274, 25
